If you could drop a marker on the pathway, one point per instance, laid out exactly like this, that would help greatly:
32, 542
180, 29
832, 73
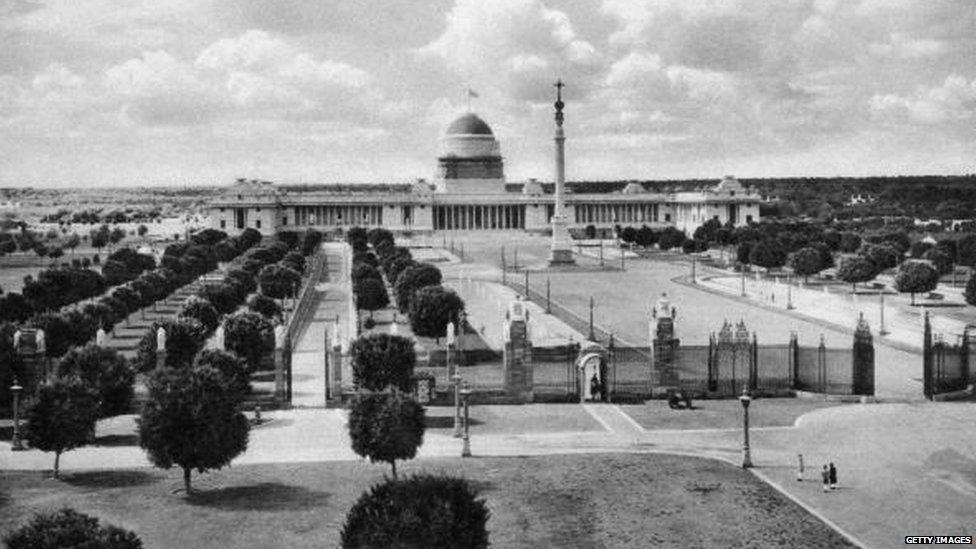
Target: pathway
308, 353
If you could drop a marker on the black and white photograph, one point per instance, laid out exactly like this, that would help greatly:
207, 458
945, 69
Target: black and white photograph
463, 274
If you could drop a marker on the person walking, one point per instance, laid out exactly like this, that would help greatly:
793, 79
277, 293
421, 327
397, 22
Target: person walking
799, 471
595, 388
825, 475
833, 477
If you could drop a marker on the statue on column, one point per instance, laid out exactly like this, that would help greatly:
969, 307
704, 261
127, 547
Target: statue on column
41, 344
219, 337
160, 339
17, 336
100, 337
280, 334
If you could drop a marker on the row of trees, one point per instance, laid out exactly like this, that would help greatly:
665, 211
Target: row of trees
417, 286
387, 424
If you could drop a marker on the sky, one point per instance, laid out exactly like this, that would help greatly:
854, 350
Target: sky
200, 92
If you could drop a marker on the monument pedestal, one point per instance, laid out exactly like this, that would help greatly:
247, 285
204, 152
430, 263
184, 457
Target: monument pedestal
561, 252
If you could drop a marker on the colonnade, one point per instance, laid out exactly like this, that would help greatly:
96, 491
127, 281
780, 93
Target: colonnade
616, 213
489, 216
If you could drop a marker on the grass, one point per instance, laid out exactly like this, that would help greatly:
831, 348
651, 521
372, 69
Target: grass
722, 414
555, 501
548, 418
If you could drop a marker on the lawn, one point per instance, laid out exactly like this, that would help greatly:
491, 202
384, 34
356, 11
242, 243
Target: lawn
722, 414
554, 501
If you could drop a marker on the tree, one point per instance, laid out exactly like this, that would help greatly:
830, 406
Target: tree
184, 339
62, 417
264, 306
970, 293
646, 237
421, 511
14, 307
431, 308
671, 238
69, 529
966, 250
233, 368
371, 295
412, 279
202, 311
915, 277
767, 253
250, 336
386, 426
142, 230
883, 256
939, 259
105, 371
224, 296
100, 237
279, 282
856, 269
364, 270
191, 419
381, 360
849, 243
805, 262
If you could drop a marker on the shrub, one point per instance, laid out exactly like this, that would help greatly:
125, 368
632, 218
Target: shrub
671, 238
233, 369
61, 418
191, 420
184, 339
69, 529
202, 311
371, 295
412, 279
431, 308
386, 426
264, 306
421, 511
250, 336
224, 296
380, 361
105, 371
278, 281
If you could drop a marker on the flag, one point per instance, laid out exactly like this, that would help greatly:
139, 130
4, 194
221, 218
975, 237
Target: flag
472, 93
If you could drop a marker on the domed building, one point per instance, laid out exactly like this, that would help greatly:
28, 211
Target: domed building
470, 159
469, 193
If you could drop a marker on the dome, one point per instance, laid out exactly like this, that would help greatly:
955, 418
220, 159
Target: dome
468, 124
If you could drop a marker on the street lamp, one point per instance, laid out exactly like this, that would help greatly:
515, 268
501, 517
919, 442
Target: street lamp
466, 447
694, 263
15, 444
745, 399
456, 379
882, 331
789, 292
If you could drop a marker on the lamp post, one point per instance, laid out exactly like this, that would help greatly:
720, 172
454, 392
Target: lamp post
694, 264
592, 338
466, 447
789, 293
548, 284
742, 281
15, 443
882, 331
745, 399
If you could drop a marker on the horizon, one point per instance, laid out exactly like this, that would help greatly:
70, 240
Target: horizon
187, 94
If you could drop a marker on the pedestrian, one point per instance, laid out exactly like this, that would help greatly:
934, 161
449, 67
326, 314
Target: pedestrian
799, 472
825, 475
595, 388
833, 477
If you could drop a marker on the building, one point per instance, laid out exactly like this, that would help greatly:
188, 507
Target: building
469, 193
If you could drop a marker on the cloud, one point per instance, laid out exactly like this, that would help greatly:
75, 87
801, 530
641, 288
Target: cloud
515, 47
954, 101
903, 47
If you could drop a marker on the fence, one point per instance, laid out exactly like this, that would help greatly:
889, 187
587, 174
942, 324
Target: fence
301, 315
946, 367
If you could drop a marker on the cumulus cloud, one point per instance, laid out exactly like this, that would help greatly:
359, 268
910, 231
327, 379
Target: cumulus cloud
901, 46
952, 101
521, 45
